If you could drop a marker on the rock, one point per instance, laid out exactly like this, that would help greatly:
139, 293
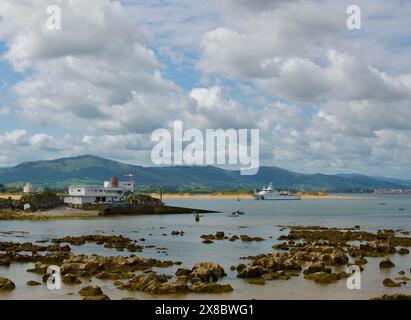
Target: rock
207, 241
360, 260
326, 277
116, 242
219, 234
251, 272
395, 296
32, 283
207, 271
339, 258
155, 284
402, 272
382, 246
4, 262
202, 287
70, 279
386, 263
6, 284
102, 297
39, 268
241, 267
278, 275
246, 238
91, 291
281, 246
129, 298
46, 277
390, 283
403, 279
182, 272
313, 267
403, 251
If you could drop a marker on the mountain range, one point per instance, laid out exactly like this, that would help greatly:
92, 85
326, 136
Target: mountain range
94, 170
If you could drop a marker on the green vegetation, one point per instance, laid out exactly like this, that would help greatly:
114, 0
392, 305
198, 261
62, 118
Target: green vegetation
139, 197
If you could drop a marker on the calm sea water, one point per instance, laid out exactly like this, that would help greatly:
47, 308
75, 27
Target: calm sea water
261, 219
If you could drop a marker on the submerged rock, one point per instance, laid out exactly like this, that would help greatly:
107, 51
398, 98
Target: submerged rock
70, 279
153, 283
32, 283
4, 262
102, 297
326, 277
313, 267
91, 291
202, 287
386, 263
403, 251
360, 260
339, 258
6, 284
251, 272
395, 296
391, 283
183, 272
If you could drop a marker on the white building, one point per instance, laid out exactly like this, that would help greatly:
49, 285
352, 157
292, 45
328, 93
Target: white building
127, 186
29, 188
93, 195
109, 193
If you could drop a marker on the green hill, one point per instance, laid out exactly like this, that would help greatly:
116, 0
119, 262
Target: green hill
91, 169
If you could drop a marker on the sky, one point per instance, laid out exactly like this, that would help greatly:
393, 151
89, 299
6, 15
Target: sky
325, 98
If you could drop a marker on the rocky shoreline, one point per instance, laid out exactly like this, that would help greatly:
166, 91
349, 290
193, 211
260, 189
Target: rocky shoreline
312, 252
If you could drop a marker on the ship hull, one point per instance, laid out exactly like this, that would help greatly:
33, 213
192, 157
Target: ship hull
258, 197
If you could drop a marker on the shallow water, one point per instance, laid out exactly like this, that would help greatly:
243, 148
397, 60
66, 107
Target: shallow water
261, 219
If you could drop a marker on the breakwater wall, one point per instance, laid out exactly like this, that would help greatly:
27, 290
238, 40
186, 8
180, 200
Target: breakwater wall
136, 209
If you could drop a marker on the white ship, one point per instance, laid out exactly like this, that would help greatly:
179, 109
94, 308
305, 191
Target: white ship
269, 193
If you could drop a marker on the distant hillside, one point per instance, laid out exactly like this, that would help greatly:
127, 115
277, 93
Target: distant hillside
91, 169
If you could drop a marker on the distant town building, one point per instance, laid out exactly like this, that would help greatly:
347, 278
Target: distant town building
111, 192
128, 185
29, 188
392, 191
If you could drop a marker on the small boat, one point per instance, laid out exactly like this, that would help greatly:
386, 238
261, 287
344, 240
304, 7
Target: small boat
269, 193
233, 214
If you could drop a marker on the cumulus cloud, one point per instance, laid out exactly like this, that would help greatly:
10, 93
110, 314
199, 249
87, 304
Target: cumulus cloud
325, 99
95, 69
